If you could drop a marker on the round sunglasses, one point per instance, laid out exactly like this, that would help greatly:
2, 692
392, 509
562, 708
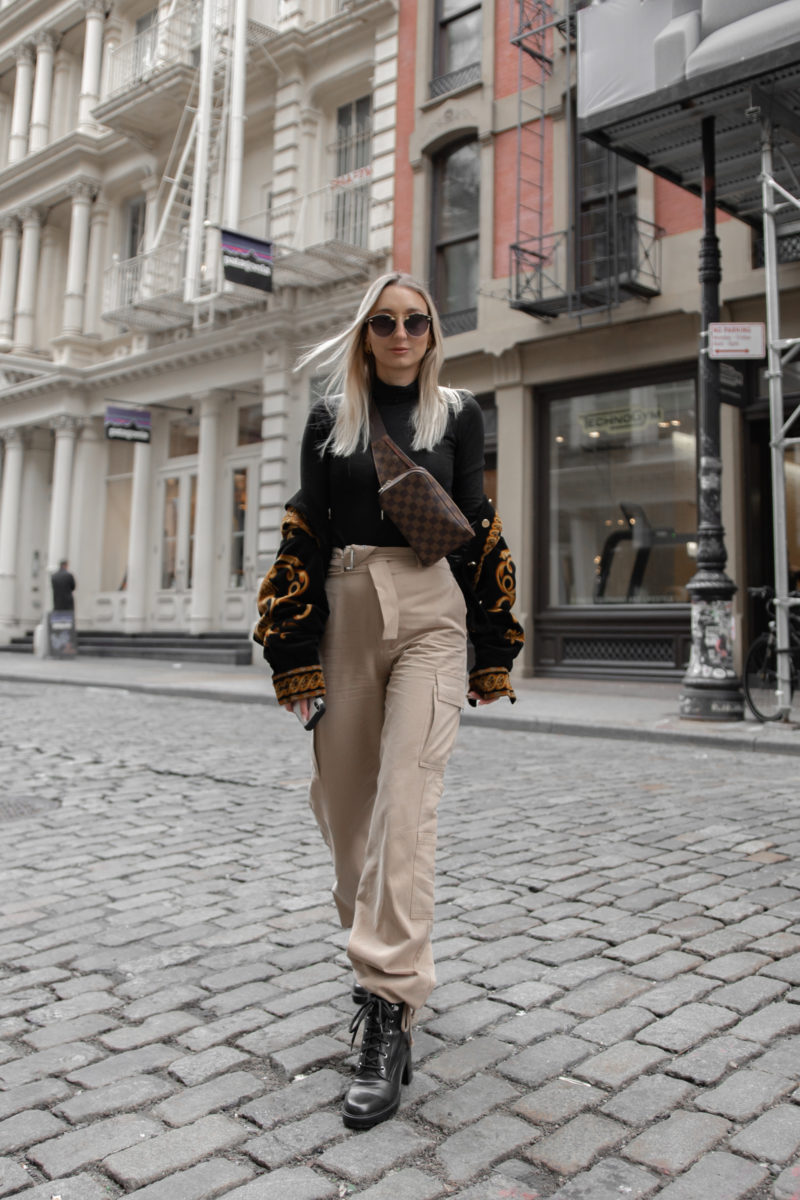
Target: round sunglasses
415, 325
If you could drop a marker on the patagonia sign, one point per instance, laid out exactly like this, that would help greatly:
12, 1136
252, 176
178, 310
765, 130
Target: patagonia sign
127, 424
246, 260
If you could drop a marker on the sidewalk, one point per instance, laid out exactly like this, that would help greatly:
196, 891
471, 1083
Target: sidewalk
591, 708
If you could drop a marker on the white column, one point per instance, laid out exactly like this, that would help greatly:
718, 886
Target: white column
21, 112
201, 617
136, 592
42, 91
92, 63
10, 498
85, 531
66, 431
82, 196
25, 311
95, 278
25, 314
9, 264
60, 109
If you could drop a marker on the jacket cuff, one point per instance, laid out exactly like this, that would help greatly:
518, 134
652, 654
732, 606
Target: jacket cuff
490, 683
302, 683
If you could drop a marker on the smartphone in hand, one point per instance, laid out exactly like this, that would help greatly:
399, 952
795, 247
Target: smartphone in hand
316, 708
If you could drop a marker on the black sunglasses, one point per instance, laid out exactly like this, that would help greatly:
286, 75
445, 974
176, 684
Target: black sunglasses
415, 325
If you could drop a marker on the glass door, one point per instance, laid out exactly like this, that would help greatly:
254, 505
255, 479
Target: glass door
179, 501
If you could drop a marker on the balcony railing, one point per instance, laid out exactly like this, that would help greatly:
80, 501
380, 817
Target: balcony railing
342, 211
147, 290
169, 42
610, 265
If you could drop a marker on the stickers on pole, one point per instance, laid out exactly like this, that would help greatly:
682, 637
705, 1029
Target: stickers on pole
727, 340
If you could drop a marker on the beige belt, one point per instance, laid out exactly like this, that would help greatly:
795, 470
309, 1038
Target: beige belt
377, 560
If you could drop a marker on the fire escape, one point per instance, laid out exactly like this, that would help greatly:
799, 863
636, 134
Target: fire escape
196, 58
586, 250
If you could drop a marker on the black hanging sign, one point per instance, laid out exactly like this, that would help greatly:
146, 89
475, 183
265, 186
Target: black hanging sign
246, 260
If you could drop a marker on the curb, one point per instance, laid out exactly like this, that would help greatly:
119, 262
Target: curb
553, 725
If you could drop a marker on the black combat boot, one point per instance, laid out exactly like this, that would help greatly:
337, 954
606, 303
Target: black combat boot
384, 1062
360, 993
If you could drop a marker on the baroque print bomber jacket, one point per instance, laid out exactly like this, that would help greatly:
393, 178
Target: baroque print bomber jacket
293, 608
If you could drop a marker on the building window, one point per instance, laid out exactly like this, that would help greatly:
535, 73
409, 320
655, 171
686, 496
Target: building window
457, 46
607, 215
117, 519
184, 437
133, 228
622, 495
353, 167
146, 38
456, 223
248, 424
489, 410
239, 515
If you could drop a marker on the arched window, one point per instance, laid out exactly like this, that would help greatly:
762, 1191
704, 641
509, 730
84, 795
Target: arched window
456, 225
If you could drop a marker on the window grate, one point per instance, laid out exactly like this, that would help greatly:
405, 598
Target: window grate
454, 80
459, 322
617, 650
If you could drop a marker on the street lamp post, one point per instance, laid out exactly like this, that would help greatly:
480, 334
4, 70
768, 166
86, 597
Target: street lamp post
711, 689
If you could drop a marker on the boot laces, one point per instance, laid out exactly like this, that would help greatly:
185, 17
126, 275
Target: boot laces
378, 1016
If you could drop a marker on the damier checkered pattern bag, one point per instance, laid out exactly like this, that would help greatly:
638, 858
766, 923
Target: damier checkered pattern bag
429, 519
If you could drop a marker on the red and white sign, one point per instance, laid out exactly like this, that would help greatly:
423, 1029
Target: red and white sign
726, 340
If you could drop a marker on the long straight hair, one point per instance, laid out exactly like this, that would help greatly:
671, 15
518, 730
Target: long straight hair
351, 376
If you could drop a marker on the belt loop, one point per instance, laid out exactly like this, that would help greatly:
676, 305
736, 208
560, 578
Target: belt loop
352, 552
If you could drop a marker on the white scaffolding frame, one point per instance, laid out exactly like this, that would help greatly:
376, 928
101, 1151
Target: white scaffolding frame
780, 351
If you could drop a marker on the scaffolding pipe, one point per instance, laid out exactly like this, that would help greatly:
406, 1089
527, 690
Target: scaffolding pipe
777, 428
197, 215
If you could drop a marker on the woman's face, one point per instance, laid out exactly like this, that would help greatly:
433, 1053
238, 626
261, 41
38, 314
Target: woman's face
398, 356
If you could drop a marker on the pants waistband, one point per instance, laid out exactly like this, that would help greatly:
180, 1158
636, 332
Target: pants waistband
353, 558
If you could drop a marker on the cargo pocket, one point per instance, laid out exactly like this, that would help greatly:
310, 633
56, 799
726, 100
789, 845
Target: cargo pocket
425, 851
447, 700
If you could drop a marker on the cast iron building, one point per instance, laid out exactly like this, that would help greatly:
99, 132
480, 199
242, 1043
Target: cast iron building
128, 136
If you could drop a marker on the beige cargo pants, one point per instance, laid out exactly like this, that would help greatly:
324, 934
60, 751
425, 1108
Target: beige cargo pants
394, 655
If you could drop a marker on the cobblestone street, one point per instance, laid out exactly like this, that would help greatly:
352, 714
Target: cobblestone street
618, 948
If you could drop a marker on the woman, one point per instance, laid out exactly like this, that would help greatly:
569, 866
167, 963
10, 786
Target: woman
349, 613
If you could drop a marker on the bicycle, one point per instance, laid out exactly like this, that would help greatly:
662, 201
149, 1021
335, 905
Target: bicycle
760, 680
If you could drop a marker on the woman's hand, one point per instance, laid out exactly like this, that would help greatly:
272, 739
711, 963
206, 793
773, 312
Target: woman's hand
481, 699
303, 706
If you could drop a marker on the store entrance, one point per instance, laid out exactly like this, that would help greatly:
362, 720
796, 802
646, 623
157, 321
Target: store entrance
176, 565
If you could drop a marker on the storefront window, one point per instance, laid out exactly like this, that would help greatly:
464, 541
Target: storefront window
116, 530
169, 538
239, 515
623, 509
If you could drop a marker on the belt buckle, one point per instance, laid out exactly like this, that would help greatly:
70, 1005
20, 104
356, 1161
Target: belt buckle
349, 550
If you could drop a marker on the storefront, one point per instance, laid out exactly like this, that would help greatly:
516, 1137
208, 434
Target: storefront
616, 521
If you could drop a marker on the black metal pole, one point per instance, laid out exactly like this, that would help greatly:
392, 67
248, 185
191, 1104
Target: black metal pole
711, 689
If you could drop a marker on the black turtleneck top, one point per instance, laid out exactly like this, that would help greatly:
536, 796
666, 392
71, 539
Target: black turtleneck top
347, 488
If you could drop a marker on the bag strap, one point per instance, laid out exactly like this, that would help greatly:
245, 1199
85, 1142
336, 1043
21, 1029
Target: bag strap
385, 452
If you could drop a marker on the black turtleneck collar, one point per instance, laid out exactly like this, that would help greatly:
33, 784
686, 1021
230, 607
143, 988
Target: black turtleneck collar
388, 393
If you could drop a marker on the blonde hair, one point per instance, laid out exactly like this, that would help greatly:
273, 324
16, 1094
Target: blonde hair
351, 374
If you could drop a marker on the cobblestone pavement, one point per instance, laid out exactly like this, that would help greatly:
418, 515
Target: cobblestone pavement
618, 939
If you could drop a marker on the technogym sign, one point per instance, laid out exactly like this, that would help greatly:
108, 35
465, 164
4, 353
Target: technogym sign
619, 420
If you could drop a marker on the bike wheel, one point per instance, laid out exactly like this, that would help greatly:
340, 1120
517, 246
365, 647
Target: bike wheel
761, 679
